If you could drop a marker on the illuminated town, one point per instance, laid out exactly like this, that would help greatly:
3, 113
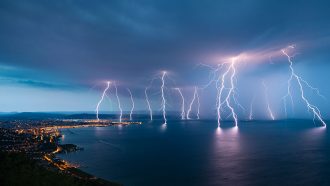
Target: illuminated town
40, 140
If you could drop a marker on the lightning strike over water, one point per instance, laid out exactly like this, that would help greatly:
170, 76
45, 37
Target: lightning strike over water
191, 104
102, 97
119, 104
198, 103
231, 93
219, 95
148, 102
163, 97
224, 77
269, 110
133, 104
310, 107
183, 114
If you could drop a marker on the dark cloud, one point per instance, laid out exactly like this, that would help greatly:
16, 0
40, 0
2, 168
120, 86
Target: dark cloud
53, 45
128, 41
37, 84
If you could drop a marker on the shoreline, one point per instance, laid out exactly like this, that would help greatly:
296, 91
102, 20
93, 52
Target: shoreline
68, 167
32, 171
38, 146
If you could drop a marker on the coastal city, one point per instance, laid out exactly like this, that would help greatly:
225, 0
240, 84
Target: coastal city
40, 141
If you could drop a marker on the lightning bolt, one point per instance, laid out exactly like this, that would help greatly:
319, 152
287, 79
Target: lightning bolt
271, 115
231, 90
100, 101
195, 96
231, 70
191, 104
119, 104
310, 107
198, 103
133, 104
182, 104
148, 102
219, 95
163, 97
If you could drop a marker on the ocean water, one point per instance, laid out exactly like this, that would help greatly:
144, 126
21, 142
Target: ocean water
195, 152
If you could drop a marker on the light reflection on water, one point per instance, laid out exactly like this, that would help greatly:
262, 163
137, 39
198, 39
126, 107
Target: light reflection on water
198, 153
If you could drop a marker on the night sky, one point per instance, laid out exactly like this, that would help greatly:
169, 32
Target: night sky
58, 55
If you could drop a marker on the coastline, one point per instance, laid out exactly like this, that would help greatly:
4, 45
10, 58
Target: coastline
69, 168
30, 171
36, 148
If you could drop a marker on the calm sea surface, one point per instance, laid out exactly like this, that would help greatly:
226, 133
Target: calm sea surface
294, 152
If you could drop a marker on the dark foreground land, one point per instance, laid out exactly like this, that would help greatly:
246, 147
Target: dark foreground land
18, 169
28, 151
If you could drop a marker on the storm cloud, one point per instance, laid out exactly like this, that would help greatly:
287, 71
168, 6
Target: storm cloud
84, 43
